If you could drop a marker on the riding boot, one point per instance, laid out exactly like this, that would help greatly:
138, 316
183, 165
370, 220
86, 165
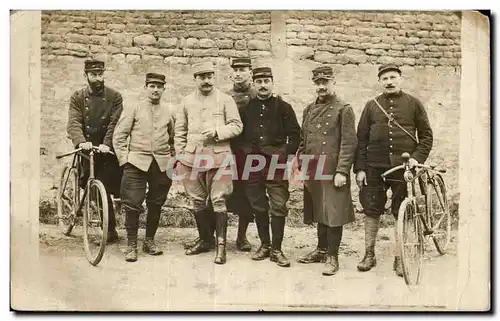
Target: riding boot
397, 265
132, 226
264, 250
221, 230
319, 255
278, 231
371, 228
334, 236
242, 243
152, 220
203, 245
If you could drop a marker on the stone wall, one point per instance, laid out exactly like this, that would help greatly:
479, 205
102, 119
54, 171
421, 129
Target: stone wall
434, 80
133, 35
406, 38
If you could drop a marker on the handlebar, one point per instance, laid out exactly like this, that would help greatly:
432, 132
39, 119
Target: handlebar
94, 148
406, 158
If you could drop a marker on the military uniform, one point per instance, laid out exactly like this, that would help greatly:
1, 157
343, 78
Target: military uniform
380, 145
197, 112
328, 131
270, 128
92, 117
144, 145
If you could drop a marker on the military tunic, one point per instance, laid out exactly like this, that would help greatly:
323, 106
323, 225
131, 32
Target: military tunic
328, 130
238, 202
92, 117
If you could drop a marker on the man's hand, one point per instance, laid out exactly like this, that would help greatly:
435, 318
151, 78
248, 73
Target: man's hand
412, 162
340, 180
104, 149
361, 179
209, 133
85, 146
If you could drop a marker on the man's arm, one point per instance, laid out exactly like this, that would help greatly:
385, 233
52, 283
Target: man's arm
233, 126
75, 123
115, 115
363, 140
302, 146
122, 133
424, 132
180, 129
291, 127
348, 140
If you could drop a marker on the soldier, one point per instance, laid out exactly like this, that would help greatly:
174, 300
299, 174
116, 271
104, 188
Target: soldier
380, 145
93, 114
207, 119
328, 131
270, 130
237, 203
144, 144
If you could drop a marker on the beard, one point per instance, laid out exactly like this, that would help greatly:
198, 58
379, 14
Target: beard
96, 85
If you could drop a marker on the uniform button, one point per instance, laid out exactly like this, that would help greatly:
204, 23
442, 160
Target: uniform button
324, 143
261, 137
390, 139
390, 146
392, 114
391, 107
328, 115
322, 152
261, 125
390, 133
261, 115
88, 126
327, 123
390, 153
324, 133
331, 107
390, 126
391, 101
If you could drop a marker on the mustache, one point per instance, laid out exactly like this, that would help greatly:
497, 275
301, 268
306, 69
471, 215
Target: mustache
389, 86
263, 89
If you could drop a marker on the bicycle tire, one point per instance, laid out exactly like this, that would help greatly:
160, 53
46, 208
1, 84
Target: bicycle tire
435, 188
97, 193
412, 267
67, 205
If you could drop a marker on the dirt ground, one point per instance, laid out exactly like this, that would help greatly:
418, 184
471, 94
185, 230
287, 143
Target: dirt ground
176, 282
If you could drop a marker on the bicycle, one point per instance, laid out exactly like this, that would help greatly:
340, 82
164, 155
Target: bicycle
92, 205
415, 226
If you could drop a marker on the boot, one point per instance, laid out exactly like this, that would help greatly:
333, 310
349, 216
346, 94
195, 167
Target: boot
264, 251
132, 226
211, 218
221, 230
397, 266
203, 245
131, 252
278, 229
319, 255
371, 228
149, 246
242, 243
334, 235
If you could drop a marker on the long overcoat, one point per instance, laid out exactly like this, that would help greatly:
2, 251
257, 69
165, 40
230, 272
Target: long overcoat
328, 135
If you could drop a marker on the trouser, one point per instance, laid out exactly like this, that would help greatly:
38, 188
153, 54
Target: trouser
274, 206
205, 186
106, 170
133, 194
329, 238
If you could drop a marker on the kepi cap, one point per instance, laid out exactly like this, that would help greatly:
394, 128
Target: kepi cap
203, 68
323, 72
261, 72
388, 67
154, 77
241, 62
94, 64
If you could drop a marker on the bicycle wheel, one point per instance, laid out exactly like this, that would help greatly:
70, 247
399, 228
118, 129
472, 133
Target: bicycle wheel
410, 242
67, 199
95, 222
439, 219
